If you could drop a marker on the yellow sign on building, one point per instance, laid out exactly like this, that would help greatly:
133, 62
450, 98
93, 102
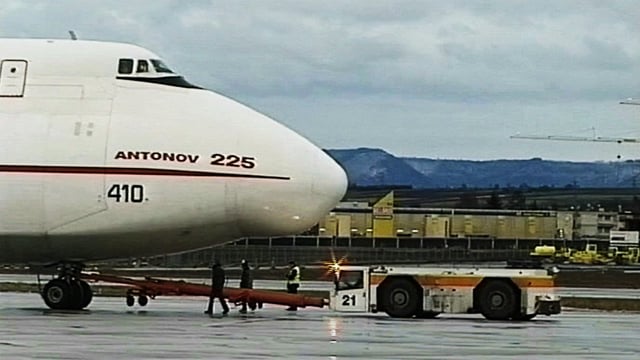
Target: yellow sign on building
383, 217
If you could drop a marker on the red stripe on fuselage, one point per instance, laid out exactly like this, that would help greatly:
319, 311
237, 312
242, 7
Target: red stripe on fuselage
79, 170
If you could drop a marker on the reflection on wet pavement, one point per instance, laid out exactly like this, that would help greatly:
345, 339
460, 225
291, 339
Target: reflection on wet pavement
175, 328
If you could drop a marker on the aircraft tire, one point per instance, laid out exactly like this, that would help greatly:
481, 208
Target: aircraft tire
130, 300
143, 300
57, 294
400, 298
76, 298
497, 300
87, 294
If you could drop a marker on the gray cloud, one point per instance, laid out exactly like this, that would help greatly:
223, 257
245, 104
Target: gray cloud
456, 75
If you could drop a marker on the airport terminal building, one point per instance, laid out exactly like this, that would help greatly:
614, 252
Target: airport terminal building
383, 219
379, 232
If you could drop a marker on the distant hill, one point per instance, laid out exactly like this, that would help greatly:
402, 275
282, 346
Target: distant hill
376, 167
373, 167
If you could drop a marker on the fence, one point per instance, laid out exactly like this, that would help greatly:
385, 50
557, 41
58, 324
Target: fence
413, 242
317, 250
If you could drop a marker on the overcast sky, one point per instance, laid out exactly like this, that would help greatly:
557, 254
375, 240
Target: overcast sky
440, 79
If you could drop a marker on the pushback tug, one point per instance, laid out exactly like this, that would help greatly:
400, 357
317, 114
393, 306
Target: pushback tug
404, 292
401, 292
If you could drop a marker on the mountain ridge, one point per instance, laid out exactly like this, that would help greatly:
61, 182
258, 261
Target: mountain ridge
377, 167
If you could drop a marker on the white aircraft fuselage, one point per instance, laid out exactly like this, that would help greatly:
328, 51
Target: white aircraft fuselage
106, 153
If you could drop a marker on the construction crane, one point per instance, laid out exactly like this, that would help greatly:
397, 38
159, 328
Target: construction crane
594, 138
630, 101
576, 138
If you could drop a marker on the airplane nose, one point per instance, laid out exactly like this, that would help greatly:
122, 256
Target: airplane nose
314, 185
329, 181
294, 182
315, 189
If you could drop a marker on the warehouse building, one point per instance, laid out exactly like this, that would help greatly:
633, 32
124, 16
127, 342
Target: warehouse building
382, 219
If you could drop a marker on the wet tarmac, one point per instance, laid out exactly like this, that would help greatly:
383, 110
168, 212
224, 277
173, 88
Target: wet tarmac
175, 328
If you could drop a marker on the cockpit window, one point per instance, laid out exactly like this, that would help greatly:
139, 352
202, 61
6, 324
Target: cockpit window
160, 67
143, 66
125, 66
160, 73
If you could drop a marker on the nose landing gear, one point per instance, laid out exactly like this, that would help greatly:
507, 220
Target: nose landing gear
67, 291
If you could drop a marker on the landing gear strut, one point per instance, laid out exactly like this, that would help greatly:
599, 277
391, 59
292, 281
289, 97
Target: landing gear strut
67, 291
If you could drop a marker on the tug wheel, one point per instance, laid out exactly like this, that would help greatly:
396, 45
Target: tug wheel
497, 300
400, 298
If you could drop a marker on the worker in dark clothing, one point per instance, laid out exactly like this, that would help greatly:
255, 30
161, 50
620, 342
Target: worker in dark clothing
217, 285
246, 282
293, 281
